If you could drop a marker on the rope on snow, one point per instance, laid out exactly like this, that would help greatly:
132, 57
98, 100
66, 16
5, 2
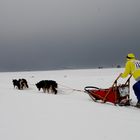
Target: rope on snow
73, 89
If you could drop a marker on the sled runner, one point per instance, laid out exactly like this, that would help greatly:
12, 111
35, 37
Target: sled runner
116, 94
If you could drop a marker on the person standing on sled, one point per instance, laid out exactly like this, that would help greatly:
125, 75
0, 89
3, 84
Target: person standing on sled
132, 67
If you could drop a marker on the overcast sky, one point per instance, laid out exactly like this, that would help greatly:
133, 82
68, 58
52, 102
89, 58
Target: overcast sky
54, 34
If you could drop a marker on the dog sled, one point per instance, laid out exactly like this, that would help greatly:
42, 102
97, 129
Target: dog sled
116, 94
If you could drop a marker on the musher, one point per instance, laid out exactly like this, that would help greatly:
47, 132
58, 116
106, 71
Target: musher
132, 67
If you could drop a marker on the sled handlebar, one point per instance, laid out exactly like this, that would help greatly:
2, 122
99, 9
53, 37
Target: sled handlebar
115, 82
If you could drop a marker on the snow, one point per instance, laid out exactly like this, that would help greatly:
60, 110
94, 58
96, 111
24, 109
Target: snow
30, 114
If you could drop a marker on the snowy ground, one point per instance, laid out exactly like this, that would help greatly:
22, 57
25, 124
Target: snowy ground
70, 115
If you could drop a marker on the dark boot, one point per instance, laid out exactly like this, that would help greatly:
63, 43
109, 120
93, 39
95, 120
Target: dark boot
138, 104
125, 102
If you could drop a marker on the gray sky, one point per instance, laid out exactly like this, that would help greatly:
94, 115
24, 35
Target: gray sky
54, 34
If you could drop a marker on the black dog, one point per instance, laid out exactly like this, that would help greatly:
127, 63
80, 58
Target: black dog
47, 85
16, 83
20, 84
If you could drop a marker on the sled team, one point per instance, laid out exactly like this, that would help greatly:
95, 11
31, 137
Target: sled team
132, 67
45, 85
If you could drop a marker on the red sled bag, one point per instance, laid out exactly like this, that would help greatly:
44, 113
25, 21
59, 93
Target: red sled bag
116, 94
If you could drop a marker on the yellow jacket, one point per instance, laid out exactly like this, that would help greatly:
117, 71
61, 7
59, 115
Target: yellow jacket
132, 67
